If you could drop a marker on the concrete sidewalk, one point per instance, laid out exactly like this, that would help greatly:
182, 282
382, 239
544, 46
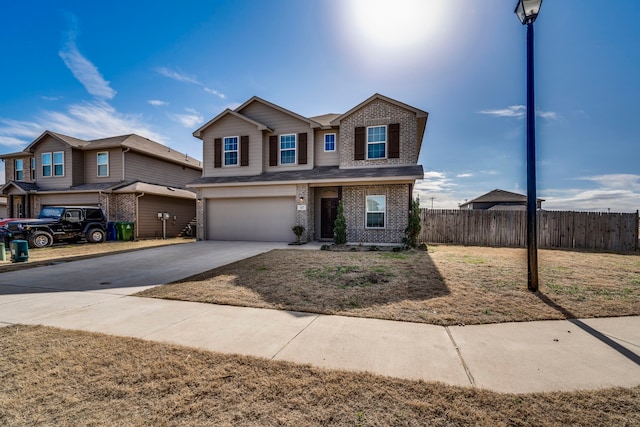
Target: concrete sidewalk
511, 357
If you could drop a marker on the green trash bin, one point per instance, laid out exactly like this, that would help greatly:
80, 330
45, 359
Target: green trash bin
124, 231
19, 251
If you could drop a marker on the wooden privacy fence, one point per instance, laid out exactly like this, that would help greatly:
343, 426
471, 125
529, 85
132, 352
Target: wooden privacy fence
617, 232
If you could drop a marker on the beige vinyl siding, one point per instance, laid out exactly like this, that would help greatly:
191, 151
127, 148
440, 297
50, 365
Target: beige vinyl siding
70, 199
282, 124
50, 145
91, 166
148, 169
77, 168
250, 191
232, 126
148, 223
323, 158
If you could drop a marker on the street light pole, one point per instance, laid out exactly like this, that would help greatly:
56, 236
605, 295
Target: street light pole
527, 11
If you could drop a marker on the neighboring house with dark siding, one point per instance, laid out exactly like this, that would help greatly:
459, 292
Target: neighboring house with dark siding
131, 177
500, 200
266, 169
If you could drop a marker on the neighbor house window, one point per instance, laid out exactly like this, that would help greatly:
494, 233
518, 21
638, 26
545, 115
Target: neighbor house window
19, 169
58, 163
376, 211
33, 169
330, 142
46, 164
231, 151
103, 164
376, 142
287, 149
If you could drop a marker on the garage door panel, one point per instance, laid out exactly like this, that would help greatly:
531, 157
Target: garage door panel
267, 219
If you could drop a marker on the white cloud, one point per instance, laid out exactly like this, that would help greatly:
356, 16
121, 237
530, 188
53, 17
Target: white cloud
215, 92
158, 103
178, 75
519, 112
51, 98
613, 192
191, 120
183, 77
83, 69
464, 175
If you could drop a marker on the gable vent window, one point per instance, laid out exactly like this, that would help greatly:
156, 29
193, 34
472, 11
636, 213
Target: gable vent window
103, 164
288, 149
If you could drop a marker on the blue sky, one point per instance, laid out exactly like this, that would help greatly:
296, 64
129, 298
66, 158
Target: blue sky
161, 69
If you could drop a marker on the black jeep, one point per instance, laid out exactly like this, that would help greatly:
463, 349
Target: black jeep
61, 223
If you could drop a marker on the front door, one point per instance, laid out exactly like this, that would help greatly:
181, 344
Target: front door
328, 213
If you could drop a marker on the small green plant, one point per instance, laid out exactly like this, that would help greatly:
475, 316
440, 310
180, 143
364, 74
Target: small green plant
373, 248
325, 247
340, 226
412, 231
298, 230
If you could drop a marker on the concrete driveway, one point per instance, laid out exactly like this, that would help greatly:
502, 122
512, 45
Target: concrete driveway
130, 272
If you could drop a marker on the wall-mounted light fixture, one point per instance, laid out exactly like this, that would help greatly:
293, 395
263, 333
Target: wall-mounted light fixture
301, 199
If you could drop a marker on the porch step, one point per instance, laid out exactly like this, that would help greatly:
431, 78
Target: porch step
189, 231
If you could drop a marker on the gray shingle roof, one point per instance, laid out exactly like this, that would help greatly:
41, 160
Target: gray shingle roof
321, 173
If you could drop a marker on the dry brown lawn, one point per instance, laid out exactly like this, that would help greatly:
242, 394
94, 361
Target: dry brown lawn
50, 376
447, 285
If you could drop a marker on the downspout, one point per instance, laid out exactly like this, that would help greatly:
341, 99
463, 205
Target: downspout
123, 168
137, 214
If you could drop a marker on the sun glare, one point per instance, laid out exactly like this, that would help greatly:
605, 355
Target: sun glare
405, 31
397, 24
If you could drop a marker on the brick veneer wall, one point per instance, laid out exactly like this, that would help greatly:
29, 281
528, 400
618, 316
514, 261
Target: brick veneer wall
305, 217
379, 112
122, 207
354, 201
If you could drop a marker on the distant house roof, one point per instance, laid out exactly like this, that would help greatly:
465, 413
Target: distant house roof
319, 174
131, 141
499, 196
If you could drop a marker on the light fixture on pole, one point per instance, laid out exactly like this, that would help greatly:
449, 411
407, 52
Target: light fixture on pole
527, 11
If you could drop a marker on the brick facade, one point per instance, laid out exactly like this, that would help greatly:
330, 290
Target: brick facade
305, 217
379, 112
397, 213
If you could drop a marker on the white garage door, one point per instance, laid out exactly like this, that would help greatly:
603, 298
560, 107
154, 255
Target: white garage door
260, 219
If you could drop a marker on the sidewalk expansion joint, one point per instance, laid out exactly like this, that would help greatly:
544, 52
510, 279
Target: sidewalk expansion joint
464, 364
295, 336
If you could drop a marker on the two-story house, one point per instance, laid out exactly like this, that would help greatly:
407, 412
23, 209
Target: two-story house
266, 169
131, 177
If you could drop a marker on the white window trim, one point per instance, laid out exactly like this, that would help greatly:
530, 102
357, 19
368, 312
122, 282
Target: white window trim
386, 143
294, 149
237, 151
335, 143
50, 164
15, 171
53, 164
98, 164
366, 212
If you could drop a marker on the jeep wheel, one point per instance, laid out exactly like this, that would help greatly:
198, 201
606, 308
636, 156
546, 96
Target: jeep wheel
95, 235
40, 239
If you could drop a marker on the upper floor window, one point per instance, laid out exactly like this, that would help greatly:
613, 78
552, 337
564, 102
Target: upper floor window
376, 211
376, 142
288, 149
330, 142
19, 169
58, 163
231, 151
103, 164
53, 163
33, 169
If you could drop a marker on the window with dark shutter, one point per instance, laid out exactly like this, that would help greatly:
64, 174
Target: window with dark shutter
394, 140
244, 150
302, 148
273, 150
358, 148
217, 153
